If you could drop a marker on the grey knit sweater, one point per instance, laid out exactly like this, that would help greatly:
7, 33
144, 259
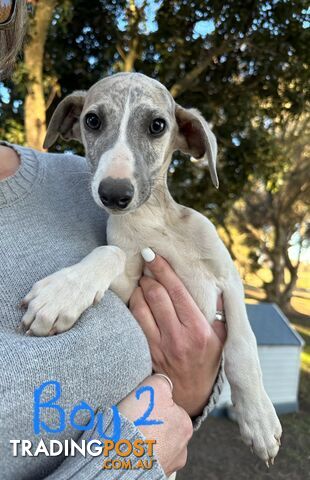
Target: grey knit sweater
48, 221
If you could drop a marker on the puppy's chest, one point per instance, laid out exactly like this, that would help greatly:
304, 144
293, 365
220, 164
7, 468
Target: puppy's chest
176, 245
170, 241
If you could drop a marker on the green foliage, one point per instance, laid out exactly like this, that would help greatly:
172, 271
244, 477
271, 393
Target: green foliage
244, 64
12, 131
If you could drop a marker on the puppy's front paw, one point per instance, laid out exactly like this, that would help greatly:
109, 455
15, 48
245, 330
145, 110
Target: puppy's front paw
55, 303
259, 425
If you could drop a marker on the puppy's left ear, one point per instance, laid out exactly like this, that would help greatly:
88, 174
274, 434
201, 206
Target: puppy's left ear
196, 138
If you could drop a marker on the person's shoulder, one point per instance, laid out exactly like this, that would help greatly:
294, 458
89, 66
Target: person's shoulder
64, 162
65, 177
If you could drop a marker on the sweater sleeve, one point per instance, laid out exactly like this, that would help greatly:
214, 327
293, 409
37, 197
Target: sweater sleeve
213, 399
92, 467
98, 362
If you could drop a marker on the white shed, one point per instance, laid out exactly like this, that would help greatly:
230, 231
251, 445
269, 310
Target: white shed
279, 348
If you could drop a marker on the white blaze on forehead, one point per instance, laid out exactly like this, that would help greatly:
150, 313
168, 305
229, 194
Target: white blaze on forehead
118, 162
124, 122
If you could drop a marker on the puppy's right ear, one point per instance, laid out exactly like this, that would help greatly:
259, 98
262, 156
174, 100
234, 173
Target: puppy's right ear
66, 119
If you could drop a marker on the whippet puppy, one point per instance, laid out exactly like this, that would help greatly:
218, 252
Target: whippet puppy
130, 126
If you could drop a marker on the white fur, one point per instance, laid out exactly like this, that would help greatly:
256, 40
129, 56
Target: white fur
188, 234
193, 248
118, 162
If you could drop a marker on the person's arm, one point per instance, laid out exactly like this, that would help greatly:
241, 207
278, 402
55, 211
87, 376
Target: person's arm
170, 449
183, 345
90, 468
100, 361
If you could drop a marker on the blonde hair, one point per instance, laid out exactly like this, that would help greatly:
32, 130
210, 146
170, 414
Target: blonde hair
11, 39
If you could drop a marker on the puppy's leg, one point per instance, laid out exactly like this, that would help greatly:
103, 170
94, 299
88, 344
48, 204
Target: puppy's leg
124, 284
56, 302
259, 425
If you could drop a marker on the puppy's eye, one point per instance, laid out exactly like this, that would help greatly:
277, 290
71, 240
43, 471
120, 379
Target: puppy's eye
157, 126
92, 121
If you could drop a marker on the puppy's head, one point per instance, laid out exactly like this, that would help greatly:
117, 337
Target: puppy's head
130, 126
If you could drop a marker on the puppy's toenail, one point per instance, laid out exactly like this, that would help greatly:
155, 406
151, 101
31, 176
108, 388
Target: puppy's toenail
278, 441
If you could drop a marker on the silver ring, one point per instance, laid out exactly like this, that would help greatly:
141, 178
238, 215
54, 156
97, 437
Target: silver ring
220, 316
166, 378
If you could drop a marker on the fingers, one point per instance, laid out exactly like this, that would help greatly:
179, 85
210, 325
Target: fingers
220, 330
161, 306
219, 327
166, 378
142, 313
161, 386
220, 303
185, 307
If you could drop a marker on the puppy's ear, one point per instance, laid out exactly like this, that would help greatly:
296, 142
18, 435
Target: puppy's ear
66, 119
196, 138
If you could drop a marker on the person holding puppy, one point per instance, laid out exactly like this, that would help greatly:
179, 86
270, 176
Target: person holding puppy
48, 221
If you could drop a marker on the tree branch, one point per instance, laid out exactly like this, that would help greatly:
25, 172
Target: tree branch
185, 83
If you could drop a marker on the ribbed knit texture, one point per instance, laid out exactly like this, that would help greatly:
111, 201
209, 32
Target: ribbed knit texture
48, 221
15, 188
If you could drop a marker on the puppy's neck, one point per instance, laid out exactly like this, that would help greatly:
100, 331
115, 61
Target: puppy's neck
160, 197
160, 206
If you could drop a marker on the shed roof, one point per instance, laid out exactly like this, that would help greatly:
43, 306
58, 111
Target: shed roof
271, 326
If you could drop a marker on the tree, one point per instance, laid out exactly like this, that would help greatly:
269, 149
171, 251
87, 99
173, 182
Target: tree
35, 110
275, 211
242, 63
129, 48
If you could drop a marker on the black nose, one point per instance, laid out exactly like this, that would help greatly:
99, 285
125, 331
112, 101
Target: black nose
116, 193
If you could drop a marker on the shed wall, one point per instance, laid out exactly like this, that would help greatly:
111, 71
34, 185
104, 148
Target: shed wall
280, 366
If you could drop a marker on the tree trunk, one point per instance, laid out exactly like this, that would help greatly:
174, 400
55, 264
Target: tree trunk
34, 116
131, 57
290, 286
131, 51
186, 82
278, 291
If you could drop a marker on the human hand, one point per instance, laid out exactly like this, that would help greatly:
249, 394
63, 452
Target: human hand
173, 435
183, 345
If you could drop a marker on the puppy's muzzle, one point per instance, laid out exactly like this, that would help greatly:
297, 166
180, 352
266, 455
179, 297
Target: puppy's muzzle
116, 193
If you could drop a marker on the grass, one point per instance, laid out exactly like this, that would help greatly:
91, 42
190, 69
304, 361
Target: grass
304, 331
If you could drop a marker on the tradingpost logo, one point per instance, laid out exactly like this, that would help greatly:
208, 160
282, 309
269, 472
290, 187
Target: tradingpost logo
124, 448
114, 449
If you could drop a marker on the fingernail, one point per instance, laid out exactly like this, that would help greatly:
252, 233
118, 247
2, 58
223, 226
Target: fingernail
148, 254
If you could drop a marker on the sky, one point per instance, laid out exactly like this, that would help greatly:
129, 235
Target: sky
201, 29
